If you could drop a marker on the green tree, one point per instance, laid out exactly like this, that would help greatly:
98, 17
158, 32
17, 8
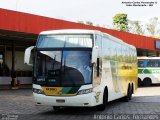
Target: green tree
80, 21
89, 23
151, 26
120, 22
136, 27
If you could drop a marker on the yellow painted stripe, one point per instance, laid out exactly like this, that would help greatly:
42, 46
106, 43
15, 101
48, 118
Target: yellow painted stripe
52, 90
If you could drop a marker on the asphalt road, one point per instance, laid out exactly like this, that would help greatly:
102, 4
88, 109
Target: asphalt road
19, 104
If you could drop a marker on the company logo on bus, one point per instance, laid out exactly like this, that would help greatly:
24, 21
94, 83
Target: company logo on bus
51, 89
155, 71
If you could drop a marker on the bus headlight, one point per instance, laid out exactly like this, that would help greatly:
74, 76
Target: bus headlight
85, 91
38, 91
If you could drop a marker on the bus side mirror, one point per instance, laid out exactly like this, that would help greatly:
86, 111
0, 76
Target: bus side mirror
95, 54
27, 55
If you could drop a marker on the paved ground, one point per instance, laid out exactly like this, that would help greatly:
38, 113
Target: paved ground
19, 104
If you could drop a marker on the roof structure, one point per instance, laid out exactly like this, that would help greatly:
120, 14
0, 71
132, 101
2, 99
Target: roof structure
28, 26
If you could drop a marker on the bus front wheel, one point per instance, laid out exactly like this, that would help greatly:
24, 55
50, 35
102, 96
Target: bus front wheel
147, 82
56, 108
105, 100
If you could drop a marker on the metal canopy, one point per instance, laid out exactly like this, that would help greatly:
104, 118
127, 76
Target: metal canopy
28, 25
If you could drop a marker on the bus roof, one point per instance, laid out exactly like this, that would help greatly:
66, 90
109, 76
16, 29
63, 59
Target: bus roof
148, 57
67, 31
85, 31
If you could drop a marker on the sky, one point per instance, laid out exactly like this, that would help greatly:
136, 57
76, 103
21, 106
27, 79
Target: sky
97, 11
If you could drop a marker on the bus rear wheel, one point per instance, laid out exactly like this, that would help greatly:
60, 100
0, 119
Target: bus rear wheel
129, 94
147, 82
139, 82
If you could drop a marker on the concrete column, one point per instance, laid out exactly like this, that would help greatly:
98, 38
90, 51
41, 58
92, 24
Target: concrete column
13, 73
4, 54
157, 53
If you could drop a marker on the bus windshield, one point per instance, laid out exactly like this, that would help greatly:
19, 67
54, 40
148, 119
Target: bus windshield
148, 63
63, 68
67, 41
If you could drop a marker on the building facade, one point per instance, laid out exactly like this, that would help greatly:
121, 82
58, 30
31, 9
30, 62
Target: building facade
20, 30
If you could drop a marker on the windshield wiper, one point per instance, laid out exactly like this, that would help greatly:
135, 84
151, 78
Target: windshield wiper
64, 65
62, 56
61, 60
54, 61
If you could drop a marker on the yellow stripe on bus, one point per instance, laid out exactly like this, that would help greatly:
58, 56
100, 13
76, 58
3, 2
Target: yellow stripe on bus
52, 90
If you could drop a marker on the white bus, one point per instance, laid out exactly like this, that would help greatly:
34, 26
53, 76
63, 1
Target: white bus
148, 70
82, 68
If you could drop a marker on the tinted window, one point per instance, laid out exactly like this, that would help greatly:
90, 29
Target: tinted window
59, 41
148, 63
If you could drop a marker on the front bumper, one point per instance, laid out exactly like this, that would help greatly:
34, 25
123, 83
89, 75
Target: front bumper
78, 100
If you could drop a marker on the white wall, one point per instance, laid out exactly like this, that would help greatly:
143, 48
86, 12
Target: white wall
23, 80
19, 65
19, 61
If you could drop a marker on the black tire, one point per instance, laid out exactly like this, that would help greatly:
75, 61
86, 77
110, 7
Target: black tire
56, 108
139, 82
147, 82
129, 94
132, 88
105, 100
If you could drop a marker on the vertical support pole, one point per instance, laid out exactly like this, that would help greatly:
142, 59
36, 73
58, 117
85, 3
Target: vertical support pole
4, 60
13, 74
4, 54
147, 53
157, 53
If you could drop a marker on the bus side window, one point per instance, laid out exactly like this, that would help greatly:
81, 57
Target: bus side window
150, 63
97, 68
97, 72
140, 64
156, 64
145, 63
99, 41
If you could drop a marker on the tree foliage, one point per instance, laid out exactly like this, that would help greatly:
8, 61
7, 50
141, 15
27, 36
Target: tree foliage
89, 23
136, 27
151, 26
80, 21
120, 22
